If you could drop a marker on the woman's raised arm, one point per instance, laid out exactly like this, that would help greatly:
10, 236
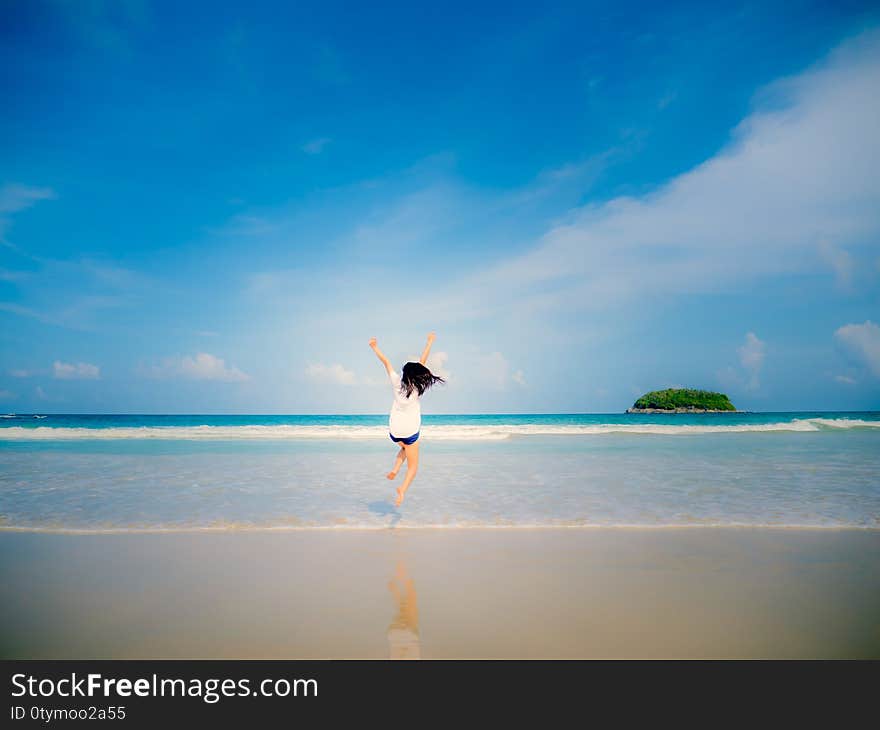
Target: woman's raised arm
380, 354
427, 351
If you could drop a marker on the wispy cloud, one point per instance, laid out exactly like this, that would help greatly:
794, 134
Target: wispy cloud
494, 371
75, 371
841, 264
800, 169
72, 294
107, 25
410, 220
21, 311
7, 395
15, 197
667, 99
316, 146
250, 225
97, 284
751, 357
202, 366
862, 343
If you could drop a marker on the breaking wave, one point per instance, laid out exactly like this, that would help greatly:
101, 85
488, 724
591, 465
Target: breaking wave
461, 432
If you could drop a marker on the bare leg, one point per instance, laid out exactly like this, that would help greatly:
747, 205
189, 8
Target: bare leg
401, 456
412, 466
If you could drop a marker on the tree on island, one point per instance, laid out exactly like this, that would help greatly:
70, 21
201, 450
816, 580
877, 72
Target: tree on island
686, 399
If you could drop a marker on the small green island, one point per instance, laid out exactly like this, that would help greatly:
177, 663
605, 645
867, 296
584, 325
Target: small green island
682, 400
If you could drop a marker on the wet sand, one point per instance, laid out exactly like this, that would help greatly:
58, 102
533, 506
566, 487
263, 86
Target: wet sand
506, 593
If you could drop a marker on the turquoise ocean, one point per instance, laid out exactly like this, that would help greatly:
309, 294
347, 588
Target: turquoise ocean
133, 472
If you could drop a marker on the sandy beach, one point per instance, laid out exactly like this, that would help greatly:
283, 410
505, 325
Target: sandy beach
442, 593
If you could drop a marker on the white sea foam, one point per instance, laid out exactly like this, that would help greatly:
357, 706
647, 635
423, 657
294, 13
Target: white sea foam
462, 432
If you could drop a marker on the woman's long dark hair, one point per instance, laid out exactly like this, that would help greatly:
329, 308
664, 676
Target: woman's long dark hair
417, 377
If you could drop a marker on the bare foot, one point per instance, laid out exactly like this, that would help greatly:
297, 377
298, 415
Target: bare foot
399, 497
391, 474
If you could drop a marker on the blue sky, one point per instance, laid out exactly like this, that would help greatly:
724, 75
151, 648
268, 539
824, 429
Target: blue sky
210, 207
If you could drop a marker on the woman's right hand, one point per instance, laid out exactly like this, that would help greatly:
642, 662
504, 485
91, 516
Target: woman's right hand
373, 342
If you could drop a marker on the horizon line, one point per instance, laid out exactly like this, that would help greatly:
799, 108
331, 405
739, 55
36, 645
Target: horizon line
430, 415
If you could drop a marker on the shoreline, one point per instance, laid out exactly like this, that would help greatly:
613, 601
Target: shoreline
693, 592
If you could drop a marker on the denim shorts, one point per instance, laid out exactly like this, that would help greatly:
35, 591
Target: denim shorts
409, 440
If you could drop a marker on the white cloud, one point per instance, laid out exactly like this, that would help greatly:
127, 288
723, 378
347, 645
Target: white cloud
840, 262
20, 373
436, 363
493, 369
316, 146
751, 359
331, 373
862, 342
845, 379
40, 393
205, 366
7, 395
751, 356
202, 366
78, 371
799, 170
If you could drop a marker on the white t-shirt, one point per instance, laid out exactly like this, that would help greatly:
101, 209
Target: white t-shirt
406, 413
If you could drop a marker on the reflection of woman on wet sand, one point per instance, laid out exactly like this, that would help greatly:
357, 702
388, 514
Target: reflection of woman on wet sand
403, 631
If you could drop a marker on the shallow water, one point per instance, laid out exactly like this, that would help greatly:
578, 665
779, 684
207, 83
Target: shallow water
185, 472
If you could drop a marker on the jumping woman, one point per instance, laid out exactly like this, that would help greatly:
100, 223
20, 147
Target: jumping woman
406, 412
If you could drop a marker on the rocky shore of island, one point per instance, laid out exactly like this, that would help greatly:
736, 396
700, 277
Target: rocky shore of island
679, 410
